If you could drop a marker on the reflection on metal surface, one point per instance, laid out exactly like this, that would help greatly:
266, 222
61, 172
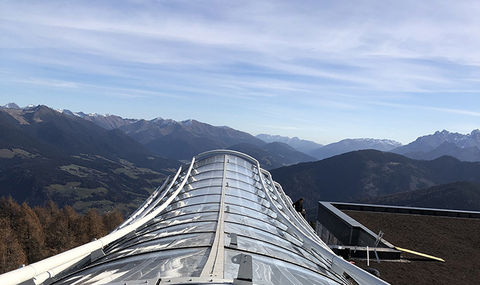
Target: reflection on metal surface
220, 220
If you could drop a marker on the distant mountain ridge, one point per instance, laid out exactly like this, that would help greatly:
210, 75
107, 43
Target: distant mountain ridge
45, 155
348, 145
285, 154
369, 173
464, 147
301, 145
181, 140
70, 135
97, 160
108, 122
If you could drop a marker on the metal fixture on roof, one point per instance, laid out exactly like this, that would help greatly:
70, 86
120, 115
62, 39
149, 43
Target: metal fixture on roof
219, 220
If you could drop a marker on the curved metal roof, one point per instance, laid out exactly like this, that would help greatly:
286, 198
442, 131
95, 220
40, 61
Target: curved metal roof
220, 220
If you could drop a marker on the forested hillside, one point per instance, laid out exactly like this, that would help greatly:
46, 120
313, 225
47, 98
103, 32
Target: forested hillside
458, 196
30, 234
366, 174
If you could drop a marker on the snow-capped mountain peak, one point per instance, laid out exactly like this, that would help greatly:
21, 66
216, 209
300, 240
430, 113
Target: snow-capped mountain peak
11, 106
461, 146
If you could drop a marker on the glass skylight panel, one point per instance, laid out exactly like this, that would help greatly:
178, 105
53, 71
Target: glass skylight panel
240, 177
267, 215
170, 263
208, 190
275, 271
207, 174
190, 227
245, 170
204, 183
234, 200
209, 160
274, 251
241, 185
194, 200
209, 167
163, 243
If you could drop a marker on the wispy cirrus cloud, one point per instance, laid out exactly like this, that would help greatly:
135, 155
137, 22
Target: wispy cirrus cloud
318, 59
47, 82
465, 112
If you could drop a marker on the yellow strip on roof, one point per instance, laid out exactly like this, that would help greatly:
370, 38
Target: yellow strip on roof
420, 254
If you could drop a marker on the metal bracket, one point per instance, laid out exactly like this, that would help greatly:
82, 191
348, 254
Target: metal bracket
96, 254
233, 240
28, 282
245, 272
130, 235
335, 267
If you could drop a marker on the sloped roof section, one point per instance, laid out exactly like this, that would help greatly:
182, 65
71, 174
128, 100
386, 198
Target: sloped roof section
220, 220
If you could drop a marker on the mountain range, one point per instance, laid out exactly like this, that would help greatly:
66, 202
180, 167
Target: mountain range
108, 122
464, 147
273, 155
92, 160
348, 145
304, 146
319, 151
100, 161
181, 140
367, 174
47, 155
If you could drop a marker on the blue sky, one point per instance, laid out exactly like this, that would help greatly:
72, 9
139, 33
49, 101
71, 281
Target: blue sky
320, 70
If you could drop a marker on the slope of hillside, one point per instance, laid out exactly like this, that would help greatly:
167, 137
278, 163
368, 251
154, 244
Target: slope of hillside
369, 173
457, 195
